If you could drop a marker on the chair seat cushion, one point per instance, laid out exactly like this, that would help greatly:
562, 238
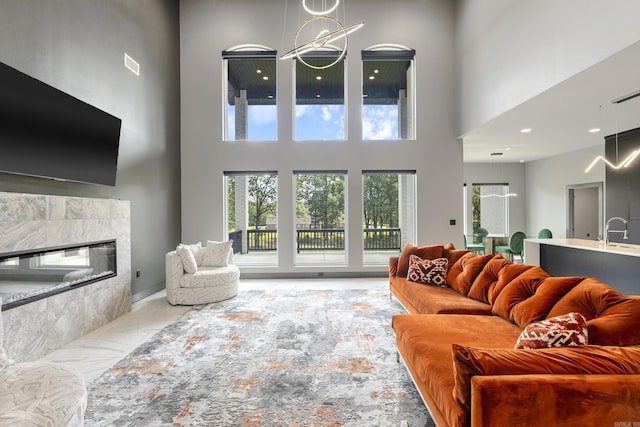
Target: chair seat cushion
41, 394
207, 277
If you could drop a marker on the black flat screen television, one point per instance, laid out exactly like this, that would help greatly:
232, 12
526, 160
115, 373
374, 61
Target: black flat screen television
48, 133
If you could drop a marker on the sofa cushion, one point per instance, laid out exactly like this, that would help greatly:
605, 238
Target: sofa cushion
207, 277
217, 254
612, 318
424, 341
508, 273
421, 299
566, 330
455, 264
471, 267
470, 361
430, 272
424, 252
188, 259
487, 278
453, 255
529, 297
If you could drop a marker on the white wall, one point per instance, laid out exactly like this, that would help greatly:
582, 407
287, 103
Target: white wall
509, 51
209, 27
546, 187
511, 173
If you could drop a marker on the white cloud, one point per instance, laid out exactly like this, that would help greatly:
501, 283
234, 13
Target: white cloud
303, 110
380, 122
262, 114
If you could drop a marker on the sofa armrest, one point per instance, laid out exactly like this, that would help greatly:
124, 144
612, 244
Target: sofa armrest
173, 271
393, 266
555, 400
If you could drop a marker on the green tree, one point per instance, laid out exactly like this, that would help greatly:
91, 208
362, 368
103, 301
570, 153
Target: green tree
380, 200
321, 197
263, 194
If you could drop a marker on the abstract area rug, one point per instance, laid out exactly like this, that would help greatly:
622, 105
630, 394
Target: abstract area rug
266, 358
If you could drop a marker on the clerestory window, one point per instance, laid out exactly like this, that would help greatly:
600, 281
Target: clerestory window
250, 111
320, 112
388, 94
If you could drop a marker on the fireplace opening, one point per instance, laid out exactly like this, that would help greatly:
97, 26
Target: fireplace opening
28, 276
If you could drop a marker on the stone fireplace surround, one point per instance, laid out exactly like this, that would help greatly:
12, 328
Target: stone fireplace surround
31, 221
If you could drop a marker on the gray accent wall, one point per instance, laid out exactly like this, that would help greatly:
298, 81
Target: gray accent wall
78, 47
209, 27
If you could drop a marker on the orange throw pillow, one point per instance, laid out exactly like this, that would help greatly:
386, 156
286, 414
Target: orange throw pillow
487, 279
424, 252
471, 267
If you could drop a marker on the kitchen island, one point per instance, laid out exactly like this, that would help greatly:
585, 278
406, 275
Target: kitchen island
616, 264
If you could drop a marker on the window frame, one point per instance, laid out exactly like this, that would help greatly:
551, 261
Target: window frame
391, 52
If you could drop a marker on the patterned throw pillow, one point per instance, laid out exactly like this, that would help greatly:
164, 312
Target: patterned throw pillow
565, 330
217, 254
431, 272
189, 263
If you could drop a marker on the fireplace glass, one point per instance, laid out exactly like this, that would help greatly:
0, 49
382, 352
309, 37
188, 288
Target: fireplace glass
29, 276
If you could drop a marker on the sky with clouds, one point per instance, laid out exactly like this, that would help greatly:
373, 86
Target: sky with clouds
319, 122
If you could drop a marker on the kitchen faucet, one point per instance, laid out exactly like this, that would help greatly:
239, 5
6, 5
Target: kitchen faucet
607, 230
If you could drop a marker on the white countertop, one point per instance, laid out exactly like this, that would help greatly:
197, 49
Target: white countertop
592, 245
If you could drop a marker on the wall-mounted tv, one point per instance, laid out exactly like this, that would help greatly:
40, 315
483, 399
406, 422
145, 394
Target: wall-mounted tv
48, 133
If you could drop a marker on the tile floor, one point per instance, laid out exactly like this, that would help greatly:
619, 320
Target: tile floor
97, 351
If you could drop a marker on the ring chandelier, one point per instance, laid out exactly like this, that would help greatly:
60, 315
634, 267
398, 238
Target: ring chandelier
325, 38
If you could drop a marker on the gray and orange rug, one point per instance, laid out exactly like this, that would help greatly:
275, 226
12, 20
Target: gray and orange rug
272, 358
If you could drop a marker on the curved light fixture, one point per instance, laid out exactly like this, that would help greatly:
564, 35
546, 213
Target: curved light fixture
624, 164
631, 157
324, 39
323, 12
504, 196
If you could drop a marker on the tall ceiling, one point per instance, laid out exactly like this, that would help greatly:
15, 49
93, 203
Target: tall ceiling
560, 118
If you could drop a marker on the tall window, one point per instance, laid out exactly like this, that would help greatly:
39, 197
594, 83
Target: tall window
490, 208
252, 216
250, 101
388, 199
320, 218
387, 93
320, 113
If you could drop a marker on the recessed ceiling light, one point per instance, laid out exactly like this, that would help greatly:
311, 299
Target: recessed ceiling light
372, 77
270, 96
318, 96
259, 71
526, 130
265, 77
318, 77
376, 71
594, 130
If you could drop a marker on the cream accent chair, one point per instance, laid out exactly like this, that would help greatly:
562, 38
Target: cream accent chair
200, 283
39, 394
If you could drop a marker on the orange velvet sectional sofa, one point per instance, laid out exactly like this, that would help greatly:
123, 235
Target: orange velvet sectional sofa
458, 340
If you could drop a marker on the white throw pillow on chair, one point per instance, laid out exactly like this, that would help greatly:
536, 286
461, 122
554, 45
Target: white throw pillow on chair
188, 259
217, 254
